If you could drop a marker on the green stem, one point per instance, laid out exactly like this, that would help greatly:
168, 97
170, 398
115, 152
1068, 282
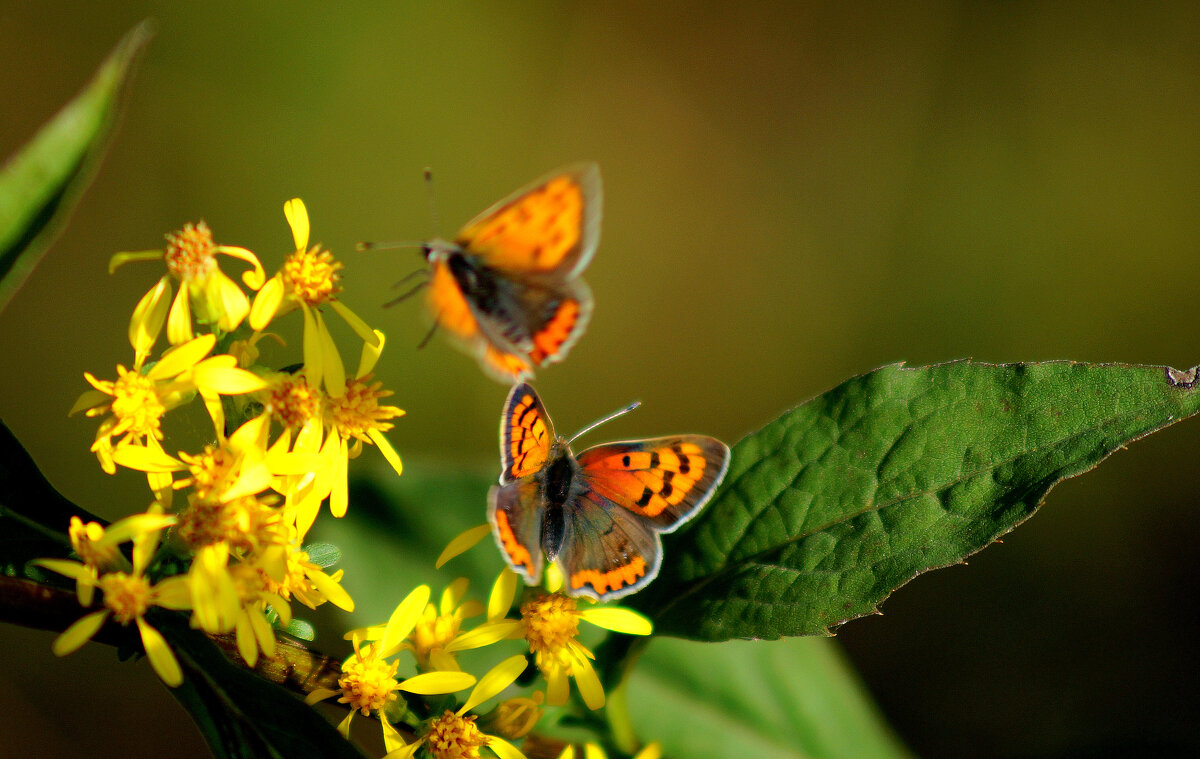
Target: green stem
625, 650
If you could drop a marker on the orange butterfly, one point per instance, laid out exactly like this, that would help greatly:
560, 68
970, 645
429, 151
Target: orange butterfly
508, 286
599, 514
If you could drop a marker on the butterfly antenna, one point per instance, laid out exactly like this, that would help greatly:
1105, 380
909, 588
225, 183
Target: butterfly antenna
407, 294
428, 335
433, 214
391, 245
602, 420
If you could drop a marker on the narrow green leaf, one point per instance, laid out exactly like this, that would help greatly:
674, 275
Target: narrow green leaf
830, 508
240, 714
41, 183
788, 699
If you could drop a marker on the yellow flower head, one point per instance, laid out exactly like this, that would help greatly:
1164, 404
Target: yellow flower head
215, 299
550, 623
246, 523
453, 737
291, 401
516, 717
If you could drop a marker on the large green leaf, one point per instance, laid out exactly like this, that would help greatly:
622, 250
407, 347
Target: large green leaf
787, 699
831, 507
40, 184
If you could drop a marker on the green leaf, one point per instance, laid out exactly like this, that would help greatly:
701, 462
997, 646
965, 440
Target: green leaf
240, 714
41, 183
770, 700
831, 507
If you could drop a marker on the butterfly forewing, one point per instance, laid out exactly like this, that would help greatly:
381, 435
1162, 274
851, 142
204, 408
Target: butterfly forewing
526, 434
666, 480
552, 226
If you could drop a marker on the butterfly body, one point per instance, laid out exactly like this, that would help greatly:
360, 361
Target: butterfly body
598, 514
507, 287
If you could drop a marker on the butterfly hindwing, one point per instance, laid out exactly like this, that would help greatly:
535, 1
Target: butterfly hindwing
526, 434
515, 512
550, 227
666, 480
607, 551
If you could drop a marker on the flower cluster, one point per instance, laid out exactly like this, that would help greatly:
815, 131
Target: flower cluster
236, 506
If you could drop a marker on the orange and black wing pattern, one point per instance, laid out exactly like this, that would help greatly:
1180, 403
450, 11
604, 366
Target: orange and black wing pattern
665, 480
526, 434
550, 227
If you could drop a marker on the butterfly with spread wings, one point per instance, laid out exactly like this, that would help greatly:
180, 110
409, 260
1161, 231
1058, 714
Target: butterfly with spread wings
599, 514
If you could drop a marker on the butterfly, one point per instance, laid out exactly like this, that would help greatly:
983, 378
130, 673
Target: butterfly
599, 514
507, 287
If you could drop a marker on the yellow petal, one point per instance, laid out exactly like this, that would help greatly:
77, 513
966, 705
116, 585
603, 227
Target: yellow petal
485, 635
404, 618
370, 352
246, 644
461, 543
344, 726
451, 595
333, 592
503, 591
266, 303
80, 632
148, 317
226, 380
432, 683
231, 301
592, 751
392, 739
131, 526
125, 256
554, 577
360, 327
319, 694
146, 459
385, 447
407, 752
567, 753
557, 688
618, 620
160, 655
495, 681
67, 568
182, 357
254, 277
89, 399
174, 593
297, 219
339, 497
589, 684
179, 320
333, 371
503, 748
651, 751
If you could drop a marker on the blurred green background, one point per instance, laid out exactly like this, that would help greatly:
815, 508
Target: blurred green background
794, 193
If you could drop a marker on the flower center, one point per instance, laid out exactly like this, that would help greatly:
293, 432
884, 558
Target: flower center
83, 540
433, 632
244, 524
211, 472
551, 622
516, 717
127, 596
136, 404
358, 410
454, 737
368, 682
291, 401
312, 275
190, 253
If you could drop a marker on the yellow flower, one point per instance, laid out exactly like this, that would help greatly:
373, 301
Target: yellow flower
215, 299
127, 597
592, 751
368, 682
96, 546
136, 402
436, 637
550, 623
516, 717
308, 280
454, 735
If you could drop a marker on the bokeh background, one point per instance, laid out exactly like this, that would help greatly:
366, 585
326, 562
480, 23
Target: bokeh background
795, 193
